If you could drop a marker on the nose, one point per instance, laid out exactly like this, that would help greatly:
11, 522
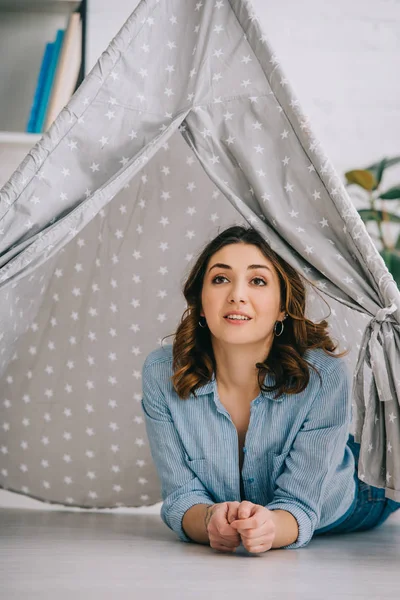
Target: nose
237, 293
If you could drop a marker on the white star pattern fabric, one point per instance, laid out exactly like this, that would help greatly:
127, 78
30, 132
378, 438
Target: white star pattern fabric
185, 126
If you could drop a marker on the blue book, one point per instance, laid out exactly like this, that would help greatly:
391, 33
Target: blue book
49, 81
30, 128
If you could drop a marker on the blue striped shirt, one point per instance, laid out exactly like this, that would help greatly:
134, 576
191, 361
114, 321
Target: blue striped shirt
296, 456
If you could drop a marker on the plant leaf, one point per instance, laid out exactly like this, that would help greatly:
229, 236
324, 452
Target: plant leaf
391, 194
392, 261
377, 171
364, 179
376, 215
378, 168
389, 163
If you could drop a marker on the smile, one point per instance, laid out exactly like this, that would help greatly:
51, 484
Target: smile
236, 320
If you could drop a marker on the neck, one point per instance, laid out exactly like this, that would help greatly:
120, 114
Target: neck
236, 371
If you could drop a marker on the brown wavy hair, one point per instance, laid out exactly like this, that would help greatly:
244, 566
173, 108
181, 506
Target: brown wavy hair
193, 356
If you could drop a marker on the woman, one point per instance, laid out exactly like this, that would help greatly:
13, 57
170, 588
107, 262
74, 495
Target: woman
248, 412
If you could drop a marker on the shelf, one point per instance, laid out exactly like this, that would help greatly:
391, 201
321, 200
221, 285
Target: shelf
48, 6
25, 28
21, 139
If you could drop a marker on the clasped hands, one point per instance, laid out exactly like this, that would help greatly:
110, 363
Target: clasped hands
231, 523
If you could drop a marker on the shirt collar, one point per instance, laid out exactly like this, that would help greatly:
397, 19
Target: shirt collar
210, 386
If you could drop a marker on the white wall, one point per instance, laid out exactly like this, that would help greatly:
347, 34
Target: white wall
342, 60
340, 57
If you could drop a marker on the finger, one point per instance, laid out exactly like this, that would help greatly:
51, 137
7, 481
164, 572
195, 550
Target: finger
259, 540
245, 509
222, 524
243, 525
224, 543
229, 534
220, 514
220, 530
253, 532
218, 545
259, 518
258, 549
264, 541
232, 511
230, 516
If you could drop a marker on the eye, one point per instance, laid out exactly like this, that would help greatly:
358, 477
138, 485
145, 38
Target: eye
254, 279
260, 279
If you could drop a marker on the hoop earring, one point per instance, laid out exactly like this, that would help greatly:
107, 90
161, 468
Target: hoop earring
282, 328
205, 323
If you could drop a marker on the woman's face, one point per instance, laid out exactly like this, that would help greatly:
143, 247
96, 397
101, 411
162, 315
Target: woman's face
240, 278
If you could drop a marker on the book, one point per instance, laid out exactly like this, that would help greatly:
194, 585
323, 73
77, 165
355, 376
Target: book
49, 81
48, 51
67, 69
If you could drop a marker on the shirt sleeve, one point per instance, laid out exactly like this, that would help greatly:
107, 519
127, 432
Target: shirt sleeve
180, 487
315, 454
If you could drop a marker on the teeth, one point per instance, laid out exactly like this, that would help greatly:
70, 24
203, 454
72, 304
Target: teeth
238, 317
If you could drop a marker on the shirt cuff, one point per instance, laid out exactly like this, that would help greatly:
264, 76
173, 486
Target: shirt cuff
173, 515
304, 523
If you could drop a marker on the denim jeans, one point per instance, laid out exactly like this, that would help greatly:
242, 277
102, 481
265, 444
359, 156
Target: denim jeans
371, 507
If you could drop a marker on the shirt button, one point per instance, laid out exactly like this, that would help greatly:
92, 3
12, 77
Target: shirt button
250, 480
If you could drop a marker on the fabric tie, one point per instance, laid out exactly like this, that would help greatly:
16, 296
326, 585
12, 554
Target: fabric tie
372, 352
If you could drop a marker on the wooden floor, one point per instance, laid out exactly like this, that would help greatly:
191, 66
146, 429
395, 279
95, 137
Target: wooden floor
96, 555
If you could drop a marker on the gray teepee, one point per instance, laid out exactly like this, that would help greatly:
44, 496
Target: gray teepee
186, 125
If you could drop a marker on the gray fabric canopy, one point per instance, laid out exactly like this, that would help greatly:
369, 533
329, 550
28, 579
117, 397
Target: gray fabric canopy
186, 125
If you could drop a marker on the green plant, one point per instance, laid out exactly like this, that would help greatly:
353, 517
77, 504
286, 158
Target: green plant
370, 180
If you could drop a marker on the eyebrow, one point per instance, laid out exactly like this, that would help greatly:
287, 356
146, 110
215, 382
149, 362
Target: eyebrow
223, 266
